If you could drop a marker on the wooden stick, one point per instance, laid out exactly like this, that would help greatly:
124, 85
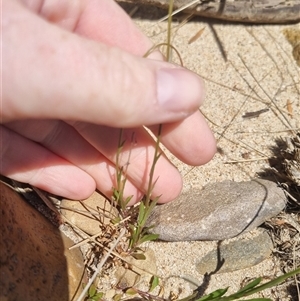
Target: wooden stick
248, 11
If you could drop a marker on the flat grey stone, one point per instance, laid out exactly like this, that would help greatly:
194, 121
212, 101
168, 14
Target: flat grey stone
237, 255
218, 211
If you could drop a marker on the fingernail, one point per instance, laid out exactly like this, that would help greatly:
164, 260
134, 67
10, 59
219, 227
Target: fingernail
179, 90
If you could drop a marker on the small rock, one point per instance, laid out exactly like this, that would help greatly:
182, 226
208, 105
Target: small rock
35, 263
218, 211
237, 255
89, 214
75, 268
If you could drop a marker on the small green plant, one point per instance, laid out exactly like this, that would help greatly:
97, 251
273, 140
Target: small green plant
118, 196
135, 217
137, 221
93, 295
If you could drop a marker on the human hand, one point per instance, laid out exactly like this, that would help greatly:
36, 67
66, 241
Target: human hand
73, 74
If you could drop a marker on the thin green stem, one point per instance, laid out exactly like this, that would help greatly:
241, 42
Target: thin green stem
269, 284
169, 32
119, 173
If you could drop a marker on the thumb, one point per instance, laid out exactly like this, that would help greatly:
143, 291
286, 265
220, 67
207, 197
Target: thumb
61, 75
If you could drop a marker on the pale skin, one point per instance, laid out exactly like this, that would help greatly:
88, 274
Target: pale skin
73, 75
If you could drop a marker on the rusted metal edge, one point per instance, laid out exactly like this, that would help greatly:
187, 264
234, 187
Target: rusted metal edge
248, 11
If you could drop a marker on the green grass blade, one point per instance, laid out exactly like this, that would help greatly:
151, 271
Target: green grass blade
272, 283
250, 285
141, 215
154, 281
214, 295
148, 237
258, 299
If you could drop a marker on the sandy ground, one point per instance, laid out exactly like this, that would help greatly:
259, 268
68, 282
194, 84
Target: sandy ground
259, 72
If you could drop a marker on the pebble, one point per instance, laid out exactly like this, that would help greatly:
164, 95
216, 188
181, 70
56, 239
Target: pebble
218, 211
237, 255
36, 263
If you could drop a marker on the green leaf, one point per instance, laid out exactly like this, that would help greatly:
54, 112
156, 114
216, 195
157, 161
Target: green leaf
117, 297
133, 232
131, 291
215, 294
128, 199
92, 290
99, 295
116, 194
250, 285
138, 256
141, 213
269, 284
154, 281
148, 237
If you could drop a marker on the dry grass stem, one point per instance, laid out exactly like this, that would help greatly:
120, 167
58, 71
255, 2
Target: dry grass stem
100, 265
